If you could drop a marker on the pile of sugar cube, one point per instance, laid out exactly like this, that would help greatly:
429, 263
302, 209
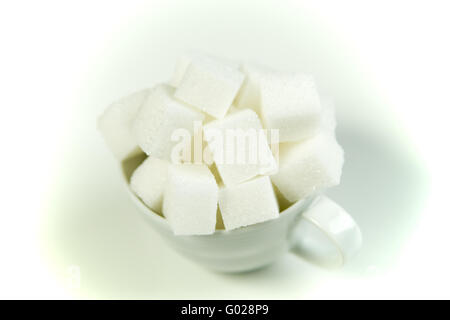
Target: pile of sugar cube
299, 154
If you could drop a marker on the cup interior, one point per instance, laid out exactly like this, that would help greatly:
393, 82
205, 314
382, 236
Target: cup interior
287, 209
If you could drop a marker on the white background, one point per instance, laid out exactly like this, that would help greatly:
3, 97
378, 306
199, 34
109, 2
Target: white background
53, 52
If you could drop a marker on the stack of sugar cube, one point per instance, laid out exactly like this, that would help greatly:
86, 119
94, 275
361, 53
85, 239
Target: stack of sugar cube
225, 142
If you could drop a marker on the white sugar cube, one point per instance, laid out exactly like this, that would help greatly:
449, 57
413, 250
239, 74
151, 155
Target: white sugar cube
209, 85
290, 103
148, 182
180, 69
248, 203
249, 96
308, 167
190, 199
157, 120
239, 147
115, 124
185, 60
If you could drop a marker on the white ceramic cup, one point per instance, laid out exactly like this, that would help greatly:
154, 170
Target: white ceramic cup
316, 229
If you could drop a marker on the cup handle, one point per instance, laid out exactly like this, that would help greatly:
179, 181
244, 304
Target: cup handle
325, 234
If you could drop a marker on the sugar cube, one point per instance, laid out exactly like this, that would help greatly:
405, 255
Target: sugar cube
249, 96
308, 167
190, 199
209, 85
157, 120
248, 203
290, 103
180, 69
148, 182
185, 60
239, 147
115, 124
